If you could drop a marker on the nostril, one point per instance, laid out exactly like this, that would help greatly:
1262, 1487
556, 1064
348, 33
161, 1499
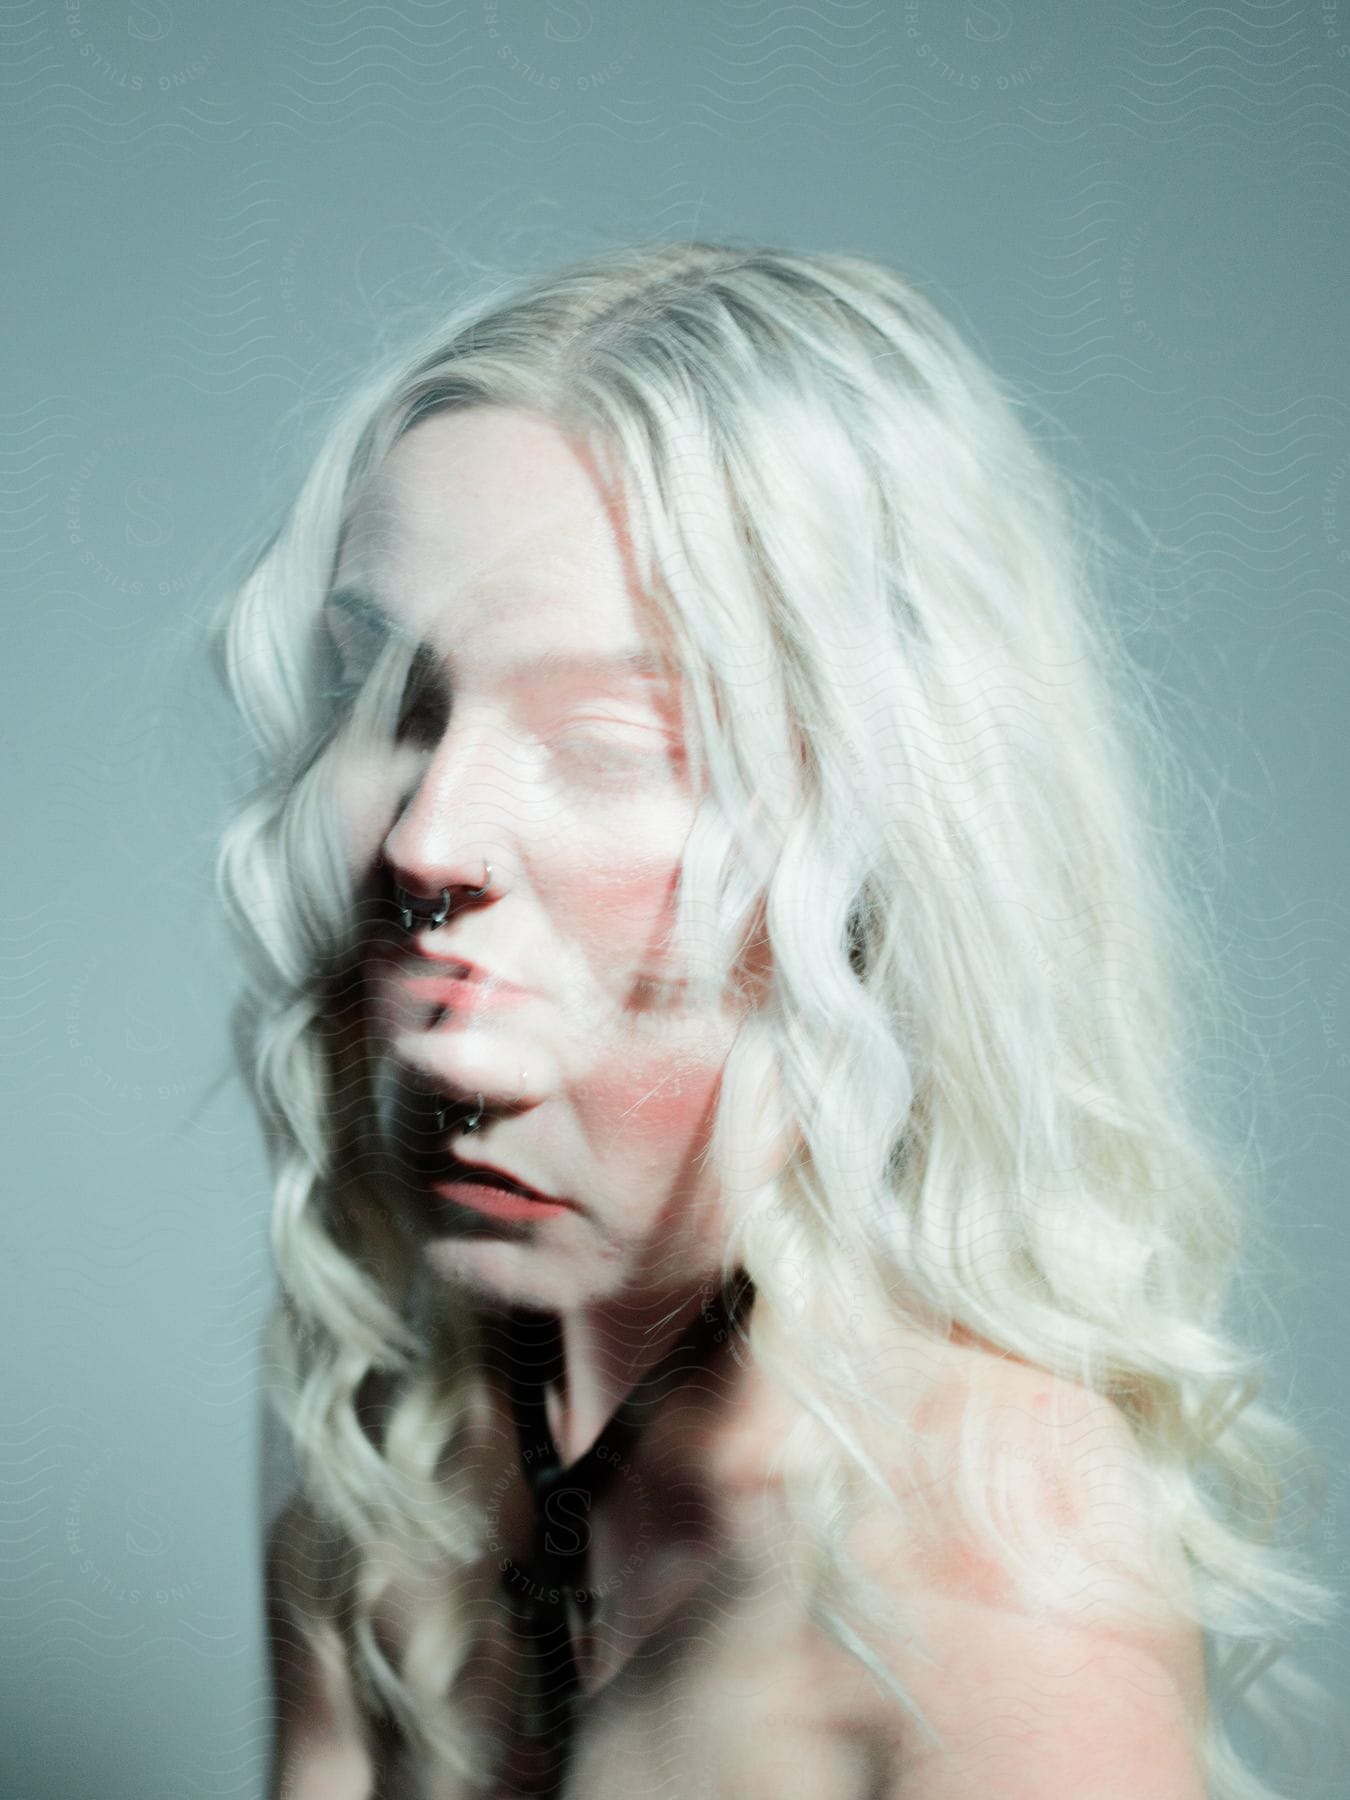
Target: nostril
410, 908
414, 907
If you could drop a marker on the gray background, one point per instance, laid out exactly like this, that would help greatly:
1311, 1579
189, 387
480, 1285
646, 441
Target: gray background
215, 214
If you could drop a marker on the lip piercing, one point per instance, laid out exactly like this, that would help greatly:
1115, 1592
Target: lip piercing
470, 1124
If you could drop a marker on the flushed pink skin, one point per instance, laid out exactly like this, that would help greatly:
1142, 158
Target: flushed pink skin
487, 535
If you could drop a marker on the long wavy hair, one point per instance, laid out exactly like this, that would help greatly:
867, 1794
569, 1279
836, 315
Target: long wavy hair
934, 786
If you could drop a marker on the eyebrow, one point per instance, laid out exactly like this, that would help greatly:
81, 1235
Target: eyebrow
635, 665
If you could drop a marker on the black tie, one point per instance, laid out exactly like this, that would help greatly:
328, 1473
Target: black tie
539, 1593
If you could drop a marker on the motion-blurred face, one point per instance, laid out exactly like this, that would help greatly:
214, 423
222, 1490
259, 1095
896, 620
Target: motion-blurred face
537, 729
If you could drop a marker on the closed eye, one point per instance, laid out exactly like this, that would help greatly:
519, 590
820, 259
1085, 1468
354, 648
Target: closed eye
621, 729
355, 645
424, 711
352, 642
615, 745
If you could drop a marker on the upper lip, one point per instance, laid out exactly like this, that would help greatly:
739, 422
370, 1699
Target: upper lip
460, 1166
460, 968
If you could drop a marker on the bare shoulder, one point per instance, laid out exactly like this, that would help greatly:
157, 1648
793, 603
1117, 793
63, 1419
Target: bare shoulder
1089, 1677
968, 1437
1052, 1459
965, 1439
1085, 1675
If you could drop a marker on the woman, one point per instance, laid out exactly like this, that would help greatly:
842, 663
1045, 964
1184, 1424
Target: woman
750, 1279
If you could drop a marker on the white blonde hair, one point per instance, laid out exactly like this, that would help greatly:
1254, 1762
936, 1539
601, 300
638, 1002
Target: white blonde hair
924, 762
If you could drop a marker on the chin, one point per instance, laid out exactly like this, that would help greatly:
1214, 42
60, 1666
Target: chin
494, 1271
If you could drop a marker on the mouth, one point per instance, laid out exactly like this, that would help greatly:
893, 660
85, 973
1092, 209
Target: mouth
497, 1202
420, 1121
490, 1191
456, 1168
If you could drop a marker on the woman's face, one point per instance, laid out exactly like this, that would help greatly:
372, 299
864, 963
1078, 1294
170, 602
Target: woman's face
539, 734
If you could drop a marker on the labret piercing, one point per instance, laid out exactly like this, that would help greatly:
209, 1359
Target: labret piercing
475, 1117
470, 1124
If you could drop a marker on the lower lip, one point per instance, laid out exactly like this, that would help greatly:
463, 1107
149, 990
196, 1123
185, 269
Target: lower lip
496, 1202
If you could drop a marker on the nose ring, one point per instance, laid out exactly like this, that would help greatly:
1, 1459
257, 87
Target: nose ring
470, 1124
433, 919
407, 913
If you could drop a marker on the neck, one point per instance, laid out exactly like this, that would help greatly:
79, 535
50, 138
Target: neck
608, 1347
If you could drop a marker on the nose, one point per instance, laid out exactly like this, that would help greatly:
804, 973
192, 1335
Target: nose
449, 828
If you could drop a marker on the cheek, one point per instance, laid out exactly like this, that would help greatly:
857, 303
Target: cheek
618, 894
621, 923
658, 1090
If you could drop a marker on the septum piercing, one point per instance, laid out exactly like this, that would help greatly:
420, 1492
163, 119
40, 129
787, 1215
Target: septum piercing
442, 912
433, 919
